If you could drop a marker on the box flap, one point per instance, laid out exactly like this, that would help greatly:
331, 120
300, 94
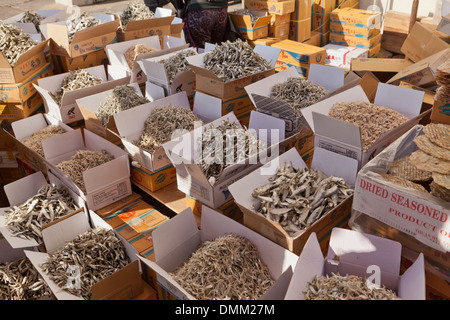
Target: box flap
412, 283
63, 146
25, 127
10, 254
148, 23
404, 100
207, 107
268, 129
153, 91
267, 52
102, 29
21, 190
328, 77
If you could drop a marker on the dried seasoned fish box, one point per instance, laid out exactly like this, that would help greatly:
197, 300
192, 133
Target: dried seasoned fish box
104, 183
415, 218
252, 25
291, 232
179, 237
374, 259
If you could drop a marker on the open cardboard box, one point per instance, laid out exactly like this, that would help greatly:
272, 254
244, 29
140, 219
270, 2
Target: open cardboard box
183, 153
362, 255
325, 161
207, 82
345, 138
179, 237
105, 183
20, 191
69, 111
89, 106
122, 285
248, 29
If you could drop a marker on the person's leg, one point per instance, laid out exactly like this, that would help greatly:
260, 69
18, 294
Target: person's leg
220, 17
197, 27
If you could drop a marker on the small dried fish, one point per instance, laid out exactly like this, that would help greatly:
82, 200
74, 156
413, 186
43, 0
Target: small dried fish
297, 198
14, 42
226, 268
176, 64
79, 23
34, 141
349, 287
34, 18
134, 51
135, 10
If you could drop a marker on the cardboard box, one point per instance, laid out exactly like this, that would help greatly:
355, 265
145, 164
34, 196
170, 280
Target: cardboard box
118, 205
351, 41
16, 111
277, 19
373, 52
441, 112
357, 17
315, 40
340, 137
380, 64
428, 99
229, 209
444, 24
267, 41
18, 192
153, 180
105, 183
320, 14
301, 70
355, 253
328, 163
30, 28
300, 54
69, 111
208, 82
143, 224
422, 43
64, 63
343, 55
248, 29
354, 30
422, 73
299, 30
213, 225
272, 7
122, 285
8, 159
280, 31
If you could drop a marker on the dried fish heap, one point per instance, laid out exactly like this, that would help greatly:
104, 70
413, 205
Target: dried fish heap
296, 198
79, 23
82, 161
162, 126
443, 80
373, 120
34, 18
135, 10
34, 141
77, 79
176, 64
234, 60
349, 287
298, 93
226, 268
136, 50
14, 42
96, 254
121, 98
48, 204
19, 280
234, 140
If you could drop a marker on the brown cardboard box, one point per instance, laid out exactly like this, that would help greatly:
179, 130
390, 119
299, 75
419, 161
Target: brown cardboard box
137, 29
272, 7
300, 54
300, 30
64, 63
441, 112
153, 180
17, 111
248, 29
266, 41
280, 31
118, 205
321, 10
229, 209
352, 41
379, 64
315, 40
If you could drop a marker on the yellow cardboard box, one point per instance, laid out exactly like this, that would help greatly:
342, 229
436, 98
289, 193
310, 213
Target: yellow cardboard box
441, 112
153, 180
266, 41
65, 64
299, 54
229, 209
354, 30
300, 30
352, 41
280, 31
272, 7
362, 18
248, 29
16, 111
302, 69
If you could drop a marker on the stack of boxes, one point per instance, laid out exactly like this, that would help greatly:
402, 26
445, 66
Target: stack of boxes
300, 24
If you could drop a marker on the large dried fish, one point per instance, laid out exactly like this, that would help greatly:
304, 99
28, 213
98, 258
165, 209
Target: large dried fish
79, 23
296, 198
226, 268
14, 42
135, 10
176, 64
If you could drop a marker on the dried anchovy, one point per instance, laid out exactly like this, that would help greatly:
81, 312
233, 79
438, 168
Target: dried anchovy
298, 93
122, 97
176, 64
372, 119
79, 23
48, 204
82, 161
19, 280
135, 11
246, 12
226, 268
233, 60
34, 18
349, 287
162, 125
34, 141
98, 253
233, 140
14, 42
77, 79
297, 198
136, 50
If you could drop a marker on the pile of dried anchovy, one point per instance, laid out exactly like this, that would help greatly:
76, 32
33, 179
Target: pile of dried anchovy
34, 18
82, 161
48, 204
79, 23
34, 141
298, 93
296, 198
77, 79
136, 50
19, 280
122, 97
226, 268
96, 254
14, 42
233, 143
162, 125
234, 60
135, 11
349, 287
176, 63
372, 119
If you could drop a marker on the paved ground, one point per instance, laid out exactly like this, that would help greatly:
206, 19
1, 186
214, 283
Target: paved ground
10, 8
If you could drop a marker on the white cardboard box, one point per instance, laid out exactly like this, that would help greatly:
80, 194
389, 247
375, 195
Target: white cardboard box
55, 237
359, 254
69, 111
105, 183
179, 237
342, 55
20, 191
345, 138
